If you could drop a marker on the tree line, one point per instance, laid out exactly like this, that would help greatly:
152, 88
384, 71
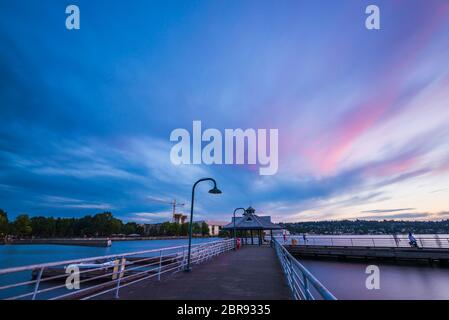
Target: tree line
362, 227
176, 229
99, 225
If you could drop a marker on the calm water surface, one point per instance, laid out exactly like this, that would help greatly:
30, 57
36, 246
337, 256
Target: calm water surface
346, 280
22, 255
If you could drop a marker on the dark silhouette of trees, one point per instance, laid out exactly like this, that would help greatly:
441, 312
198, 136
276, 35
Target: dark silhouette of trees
22, 225
369, 227
99, 225
175, 229
3, 223
204, 229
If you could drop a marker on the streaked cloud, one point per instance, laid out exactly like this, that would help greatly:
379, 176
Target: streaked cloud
388, 210
363, 118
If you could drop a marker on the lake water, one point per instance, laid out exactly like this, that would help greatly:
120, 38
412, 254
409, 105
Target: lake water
346, 280
22, 255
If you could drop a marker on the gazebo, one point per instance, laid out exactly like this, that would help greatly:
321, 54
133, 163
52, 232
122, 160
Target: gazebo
252, 224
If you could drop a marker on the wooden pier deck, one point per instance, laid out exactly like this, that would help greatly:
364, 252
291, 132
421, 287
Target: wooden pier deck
251, 273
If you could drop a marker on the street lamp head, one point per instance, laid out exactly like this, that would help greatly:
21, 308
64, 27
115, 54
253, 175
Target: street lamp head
215, 190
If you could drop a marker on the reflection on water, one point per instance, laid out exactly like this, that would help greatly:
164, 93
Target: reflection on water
346, 280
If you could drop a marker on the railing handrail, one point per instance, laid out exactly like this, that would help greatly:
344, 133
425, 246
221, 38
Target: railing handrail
391, 241
122, 273
362, 237
57, 263
319, 287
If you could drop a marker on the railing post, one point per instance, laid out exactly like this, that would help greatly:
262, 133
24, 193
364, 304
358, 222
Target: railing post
38, 281
160, 266
120, 275
306, 287
183, 258
289, 268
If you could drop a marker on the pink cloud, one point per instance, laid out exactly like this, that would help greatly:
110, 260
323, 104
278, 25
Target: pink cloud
329, 149
393, 167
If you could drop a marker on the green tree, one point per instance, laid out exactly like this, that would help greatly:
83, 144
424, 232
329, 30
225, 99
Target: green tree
3, 222
22, 225
132, 228
204, 229
42, 227
196, 228
184, 229
104, 224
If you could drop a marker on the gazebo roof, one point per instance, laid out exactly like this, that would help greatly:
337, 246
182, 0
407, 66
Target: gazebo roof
251, 221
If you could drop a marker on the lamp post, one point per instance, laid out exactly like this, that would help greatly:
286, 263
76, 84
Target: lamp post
235, 237
214, 190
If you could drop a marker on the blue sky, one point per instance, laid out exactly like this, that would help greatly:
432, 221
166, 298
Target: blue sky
363, 116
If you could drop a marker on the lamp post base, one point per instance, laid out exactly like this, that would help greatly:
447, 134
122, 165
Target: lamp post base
188, 269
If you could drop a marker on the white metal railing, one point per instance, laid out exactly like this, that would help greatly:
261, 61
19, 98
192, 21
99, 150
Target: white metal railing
400, 241
100, 275
303, 284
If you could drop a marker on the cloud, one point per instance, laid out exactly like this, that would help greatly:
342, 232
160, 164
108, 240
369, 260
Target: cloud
388, 210
150, 217
86, 123
398, 216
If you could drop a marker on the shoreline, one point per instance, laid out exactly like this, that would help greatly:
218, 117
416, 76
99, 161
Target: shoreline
94, 242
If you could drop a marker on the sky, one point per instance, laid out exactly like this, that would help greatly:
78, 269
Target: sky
363, 115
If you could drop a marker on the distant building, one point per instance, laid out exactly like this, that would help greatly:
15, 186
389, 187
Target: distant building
151, 228
179, 218
215, 227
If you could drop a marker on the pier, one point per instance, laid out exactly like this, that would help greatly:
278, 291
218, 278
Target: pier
219, 270
89, 242
386, 253
251, 273
427, 250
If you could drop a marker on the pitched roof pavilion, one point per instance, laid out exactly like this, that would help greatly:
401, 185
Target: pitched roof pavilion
251, 221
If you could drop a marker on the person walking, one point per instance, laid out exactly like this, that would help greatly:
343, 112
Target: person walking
412, 240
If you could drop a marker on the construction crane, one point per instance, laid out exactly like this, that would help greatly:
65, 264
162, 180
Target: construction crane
173, 203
